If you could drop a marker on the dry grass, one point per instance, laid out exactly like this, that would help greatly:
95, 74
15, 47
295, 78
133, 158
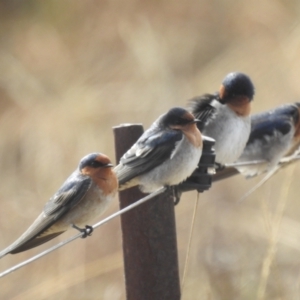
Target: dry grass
70, 70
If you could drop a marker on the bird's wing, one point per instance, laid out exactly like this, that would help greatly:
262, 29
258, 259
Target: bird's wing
268, 123
269, 126
203, 108
71, 192
151, 150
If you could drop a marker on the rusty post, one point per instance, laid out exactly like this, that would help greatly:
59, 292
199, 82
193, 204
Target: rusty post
149, 236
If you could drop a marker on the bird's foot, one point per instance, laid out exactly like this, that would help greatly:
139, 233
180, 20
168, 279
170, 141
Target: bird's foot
176, 194
87, 231
219, 167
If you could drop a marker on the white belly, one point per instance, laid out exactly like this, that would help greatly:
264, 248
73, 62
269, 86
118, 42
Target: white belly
172, 171
231, 133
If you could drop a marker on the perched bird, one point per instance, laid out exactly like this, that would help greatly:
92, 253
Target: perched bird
274, 135
83, 196
166, 154
225, 116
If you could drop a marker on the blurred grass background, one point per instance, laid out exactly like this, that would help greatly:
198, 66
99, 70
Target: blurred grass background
70, 70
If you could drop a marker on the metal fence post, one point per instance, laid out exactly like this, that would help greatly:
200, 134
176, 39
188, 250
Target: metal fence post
149, 236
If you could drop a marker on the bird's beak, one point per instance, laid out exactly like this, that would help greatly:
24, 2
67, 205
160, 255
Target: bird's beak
108, 166
197, 121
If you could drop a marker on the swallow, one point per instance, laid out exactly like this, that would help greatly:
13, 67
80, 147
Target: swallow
225, 116
275, 134
166, 154
83, 196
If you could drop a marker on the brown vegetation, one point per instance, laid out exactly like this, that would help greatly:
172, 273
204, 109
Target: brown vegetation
70, 70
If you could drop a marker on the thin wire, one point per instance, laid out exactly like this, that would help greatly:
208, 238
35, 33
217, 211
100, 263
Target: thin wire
187, 258
289, 159
283, 161
63, 243
245, 163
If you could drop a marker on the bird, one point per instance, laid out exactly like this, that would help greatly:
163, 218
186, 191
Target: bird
225, 116
166, 153
82, 197
275, 135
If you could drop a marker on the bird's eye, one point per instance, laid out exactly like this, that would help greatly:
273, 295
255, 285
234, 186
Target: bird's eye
183, 121
96, 164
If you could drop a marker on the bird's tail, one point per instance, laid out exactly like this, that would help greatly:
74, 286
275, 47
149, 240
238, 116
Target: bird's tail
17, 248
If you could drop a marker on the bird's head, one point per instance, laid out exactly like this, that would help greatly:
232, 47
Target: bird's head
177, 118
236, 86
94, 162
